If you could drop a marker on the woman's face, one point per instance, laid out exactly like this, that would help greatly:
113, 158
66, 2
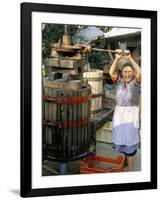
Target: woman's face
127, 74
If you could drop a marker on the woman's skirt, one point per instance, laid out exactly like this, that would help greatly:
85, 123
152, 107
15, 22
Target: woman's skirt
125, 129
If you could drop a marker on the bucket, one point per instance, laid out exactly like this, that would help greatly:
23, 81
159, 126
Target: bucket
95, 80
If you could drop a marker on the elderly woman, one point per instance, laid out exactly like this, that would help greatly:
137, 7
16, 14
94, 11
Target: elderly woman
125, 126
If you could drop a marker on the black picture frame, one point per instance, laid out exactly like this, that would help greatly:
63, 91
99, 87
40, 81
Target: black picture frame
26, 94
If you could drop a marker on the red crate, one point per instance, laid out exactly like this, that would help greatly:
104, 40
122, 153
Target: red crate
99, 164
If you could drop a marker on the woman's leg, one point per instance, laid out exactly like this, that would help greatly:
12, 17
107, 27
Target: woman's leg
130, 162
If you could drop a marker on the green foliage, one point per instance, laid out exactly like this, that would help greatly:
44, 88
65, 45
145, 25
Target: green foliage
97, 59
52, 33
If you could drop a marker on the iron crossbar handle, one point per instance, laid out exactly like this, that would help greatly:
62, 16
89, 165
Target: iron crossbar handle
88, 48
104, 50
110, 51
80, 46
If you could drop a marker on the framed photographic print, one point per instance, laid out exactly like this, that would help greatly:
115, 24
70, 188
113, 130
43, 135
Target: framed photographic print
88, 99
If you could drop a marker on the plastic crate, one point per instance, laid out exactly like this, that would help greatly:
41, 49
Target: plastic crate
98, 164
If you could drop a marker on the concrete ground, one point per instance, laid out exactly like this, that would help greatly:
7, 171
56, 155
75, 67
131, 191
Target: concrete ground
102, 149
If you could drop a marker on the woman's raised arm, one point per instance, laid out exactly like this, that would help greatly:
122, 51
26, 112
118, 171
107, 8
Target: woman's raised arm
113, 67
